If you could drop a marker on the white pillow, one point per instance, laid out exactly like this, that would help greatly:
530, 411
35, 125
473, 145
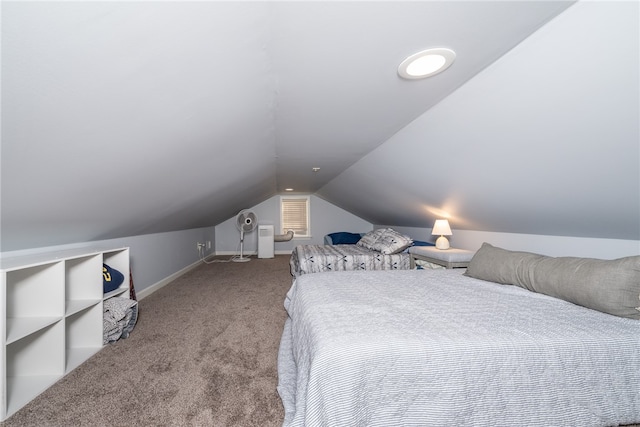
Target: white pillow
391, 242
368, 241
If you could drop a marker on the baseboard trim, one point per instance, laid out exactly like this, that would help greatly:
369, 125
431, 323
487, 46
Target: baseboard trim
253, 254
164, 282
220, 253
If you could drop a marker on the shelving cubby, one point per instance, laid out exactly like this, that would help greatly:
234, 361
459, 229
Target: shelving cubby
119, 260
83, 288
34, 298
51, 317
83, 335
33, 364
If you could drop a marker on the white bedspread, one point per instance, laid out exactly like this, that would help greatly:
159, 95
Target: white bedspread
435, 348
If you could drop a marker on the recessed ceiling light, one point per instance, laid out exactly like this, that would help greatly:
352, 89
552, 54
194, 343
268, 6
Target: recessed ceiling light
426, 63
288, 189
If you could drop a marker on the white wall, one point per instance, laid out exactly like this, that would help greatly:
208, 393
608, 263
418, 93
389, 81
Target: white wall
325, 218
545, 245
155, 258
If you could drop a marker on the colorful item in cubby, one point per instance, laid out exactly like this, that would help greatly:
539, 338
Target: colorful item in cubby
111, 279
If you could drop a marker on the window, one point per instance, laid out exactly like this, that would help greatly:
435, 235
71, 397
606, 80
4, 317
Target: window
294, 215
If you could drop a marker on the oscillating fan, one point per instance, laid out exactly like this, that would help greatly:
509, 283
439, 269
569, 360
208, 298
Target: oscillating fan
246, 222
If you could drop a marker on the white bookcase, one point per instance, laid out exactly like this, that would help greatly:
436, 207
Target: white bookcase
51, 317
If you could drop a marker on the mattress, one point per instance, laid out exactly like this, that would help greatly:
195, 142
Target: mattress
436, 348
307, 259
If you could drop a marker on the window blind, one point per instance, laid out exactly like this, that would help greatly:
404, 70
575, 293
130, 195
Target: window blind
295, 215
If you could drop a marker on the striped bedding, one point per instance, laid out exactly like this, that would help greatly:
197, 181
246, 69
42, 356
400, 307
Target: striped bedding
307, 259
436, 348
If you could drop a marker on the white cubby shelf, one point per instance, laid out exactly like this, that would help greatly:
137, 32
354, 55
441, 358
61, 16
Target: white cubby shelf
51, 317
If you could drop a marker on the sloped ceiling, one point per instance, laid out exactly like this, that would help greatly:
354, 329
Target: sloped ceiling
545, 141
126, 118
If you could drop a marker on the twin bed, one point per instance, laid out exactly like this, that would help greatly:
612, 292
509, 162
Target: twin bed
306, 259
454, 348
381, 249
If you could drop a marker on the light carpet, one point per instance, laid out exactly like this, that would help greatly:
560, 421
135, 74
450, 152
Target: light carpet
203, 353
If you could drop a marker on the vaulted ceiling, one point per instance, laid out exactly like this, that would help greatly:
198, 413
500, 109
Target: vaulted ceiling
126, 118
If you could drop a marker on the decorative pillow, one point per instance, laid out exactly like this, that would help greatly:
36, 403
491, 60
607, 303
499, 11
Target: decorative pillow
368, 240
391, 242
344, 238
609, 286
421, 243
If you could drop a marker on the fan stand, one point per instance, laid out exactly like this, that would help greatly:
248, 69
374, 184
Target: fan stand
241, 258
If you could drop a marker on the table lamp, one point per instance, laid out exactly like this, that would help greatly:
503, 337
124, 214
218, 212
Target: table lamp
441, 228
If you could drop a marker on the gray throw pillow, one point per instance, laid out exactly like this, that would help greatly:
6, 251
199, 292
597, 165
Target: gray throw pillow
392, 242
610, 286
368, 241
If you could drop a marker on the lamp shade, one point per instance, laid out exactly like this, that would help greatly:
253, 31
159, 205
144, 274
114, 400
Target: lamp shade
441, 228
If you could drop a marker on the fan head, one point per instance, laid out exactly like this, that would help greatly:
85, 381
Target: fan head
246, 221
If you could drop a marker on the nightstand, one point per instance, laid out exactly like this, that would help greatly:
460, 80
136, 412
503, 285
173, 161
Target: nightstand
448, 258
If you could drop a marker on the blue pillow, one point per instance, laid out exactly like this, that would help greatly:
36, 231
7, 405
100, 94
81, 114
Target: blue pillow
421, 243
111, 279
344, 238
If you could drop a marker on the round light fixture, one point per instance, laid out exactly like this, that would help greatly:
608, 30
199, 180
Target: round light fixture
426, 63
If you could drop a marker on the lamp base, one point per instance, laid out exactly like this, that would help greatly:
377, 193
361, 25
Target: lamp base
442, 243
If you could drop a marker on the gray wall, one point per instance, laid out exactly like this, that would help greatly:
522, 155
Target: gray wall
325, 218
154, 257
545, 245
158, 258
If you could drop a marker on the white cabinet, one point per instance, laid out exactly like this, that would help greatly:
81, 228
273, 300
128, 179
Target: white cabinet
51, 317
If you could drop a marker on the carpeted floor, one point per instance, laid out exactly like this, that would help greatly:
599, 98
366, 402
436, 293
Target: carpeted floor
202, 354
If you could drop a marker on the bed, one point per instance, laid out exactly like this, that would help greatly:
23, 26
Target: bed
307, 259
442, 348
380, 249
